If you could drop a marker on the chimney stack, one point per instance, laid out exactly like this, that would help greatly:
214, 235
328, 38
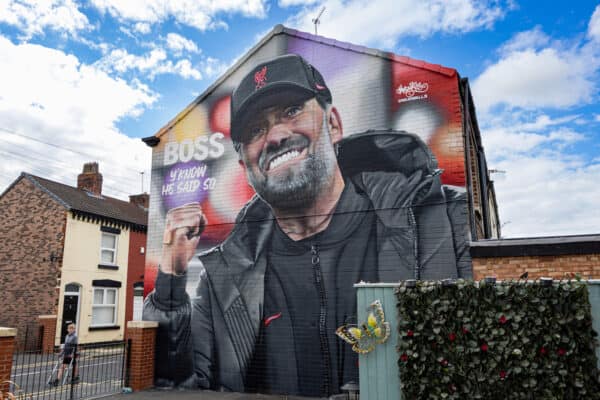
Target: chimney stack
141, 200
90, 179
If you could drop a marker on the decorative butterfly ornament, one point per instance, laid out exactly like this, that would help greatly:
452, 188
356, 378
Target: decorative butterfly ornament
365, 336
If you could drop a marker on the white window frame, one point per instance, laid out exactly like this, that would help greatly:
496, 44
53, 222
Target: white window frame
114, 250
104, 305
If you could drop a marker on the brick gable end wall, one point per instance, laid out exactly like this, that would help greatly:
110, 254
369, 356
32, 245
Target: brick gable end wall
32, 230
557, 267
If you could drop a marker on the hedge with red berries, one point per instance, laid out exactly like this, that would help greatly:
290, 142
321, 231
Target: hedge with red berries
509, 340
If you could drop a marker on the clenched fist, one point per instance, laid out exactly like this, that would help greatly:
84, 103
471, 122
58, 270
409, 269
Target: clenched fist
183, 227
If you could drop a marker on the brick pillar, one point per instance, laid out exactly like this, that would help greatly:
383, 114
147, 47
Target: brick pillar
49, 335
141, 354
7, 348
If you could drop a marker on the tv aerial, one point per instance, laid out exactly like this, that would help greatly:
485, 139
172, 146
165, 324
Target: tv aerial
317, 20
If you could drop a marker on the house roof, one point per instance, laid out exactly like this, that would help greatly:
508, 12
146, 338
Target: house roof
280, 29
537, 246
85, 203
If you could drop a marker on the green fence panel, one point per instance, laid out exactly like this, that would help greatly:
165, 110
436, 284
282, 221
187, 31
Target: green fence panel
378, 370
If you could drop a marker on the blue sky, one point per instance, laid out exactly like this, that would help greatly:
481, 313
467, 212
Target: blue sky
83, 81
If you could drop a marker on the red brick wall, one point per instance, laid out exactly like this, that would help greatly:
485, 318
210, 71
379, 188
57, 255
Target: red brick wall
586, 265
32, 228
135, 271
48, 322
141, 360
7, 346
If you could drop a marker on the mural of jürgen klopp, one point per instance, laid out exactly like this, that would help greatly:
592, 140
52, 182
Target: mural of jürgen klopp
329, 212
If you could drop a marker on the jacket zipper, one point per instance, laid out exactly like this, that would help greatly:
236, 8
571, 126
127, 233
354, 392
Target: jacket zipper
316, 266
413, 224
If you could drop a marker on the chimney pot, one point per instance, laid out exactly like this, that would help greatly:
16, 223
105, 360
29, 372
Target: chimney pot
90, 178
142, 200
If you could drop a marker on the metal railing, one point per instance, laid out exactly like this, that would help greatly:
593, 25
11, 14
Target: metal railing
99, 366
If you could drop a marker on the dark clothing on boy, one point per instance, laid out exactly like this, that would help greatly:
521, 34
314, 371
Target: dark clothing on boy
70, 349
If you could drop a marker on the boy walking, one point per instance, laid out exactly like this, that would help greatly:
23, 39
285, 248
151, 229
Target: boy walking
69, 355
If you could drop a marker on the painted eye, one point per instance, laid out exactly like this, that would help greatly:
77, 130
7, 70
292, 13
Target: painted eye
254, 133
292, 111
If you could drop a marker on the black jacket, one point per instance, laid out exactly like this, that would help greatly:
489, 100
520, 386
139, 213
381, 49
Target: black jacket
208, 342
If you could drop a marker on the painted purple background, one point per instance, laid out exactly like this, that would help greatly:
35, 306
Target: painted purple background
185, 183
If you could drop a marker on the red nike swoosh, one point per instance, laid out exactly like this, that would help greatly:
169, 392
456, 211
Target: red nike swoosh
272, 318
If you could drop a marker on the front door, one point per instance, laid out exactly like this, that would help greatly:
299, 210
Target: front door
70, 305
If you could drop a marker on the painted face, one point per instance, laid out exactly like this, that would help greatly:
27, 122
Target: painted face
288, 153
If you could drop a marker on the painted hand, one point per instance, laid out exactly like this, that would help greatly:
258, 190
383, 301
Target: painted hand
183, 227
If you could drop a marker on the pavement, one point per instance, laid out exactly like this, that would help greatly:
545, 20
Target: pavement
155, 394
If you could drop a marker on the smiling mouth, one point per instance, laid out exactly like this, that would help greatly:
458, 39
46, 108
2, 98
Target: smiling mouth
283, 158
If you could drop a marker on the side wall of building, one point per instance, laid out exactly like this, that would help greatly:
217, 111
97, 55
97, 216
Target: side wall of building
395, 132
31, 242
135, 269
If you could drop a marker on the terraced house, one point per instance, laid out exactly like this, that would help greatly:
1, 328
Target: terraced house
69, 254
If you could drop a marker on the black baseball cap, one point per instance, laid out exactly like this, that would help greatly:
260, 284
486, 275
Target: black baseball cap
284, 78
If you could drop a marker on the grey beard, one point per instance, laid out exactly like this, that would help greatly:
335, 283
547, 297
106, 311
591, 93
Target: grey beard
300, 187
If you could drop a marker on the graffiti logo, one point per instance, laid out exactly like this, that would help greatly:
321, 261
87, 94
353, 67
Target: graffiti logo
260, 77
412, 88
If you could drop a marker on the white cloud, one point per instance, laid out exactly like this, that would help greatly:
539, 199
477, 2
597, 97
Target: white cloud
178, 44
142, 27
382, 22
290, 3
594, 25
505, 142
531, 78
546, 192
152, 64
51, 96
185, 70
532, 39
198, 14
213, 67
33, 17
532, 128
127, 32
548, 188
544, 121
534, 70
